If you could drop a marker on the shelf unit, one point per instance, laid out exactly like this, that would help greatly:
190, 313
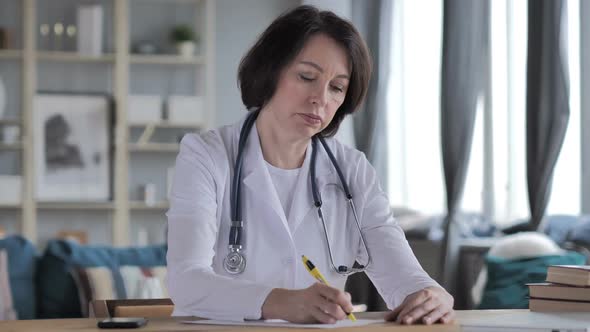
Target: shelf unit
75, 206
166, 124
121, 60
4, 206
73, 57
11, 54
9, 122
166, 60
137, 205
154, 147
11, 147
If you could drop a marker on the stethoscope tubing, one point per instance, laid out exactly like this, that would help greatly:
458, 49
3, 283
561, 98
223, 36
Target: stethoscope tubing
235, 261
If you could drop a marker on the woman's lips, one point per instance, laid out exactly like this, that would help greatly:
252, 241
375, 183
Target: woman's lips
311, 119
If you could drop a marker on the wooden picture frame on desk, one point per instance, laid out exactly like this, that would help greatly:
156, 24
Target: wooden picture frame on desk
150, 308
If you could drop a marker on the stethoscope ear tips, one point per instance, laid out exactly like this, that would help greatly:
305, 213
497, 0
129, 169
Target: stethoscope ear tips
342, 269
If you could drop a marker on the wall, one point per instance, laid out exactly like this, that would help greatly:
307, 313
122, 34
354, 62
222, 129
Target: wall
248, 20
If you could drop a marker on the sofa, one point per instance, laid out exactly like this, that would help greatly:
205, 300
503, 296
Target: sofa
61, 281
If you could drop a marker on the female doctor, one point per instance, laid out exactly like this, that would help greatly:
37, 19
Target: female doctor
250, 199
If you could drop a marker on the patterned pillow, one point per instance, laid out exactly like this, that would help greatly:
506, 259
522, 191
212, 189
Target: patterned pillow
6, 308
127, 282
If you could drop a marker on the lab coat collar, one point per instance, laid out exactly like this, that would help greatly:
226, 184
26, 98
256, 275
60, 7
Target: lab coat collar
257, 179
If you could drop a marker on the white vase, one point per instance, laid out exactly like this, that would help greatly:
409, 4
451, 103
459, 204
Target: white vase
2, 98
186, 49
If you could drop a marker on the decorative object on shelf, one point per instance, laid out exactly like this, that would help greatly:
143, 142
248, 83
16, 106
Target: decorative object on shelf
10, 134
148, 194
184, 39
90, 25
11, 189
58, 32
2, 98
72, 147
71, 32
145, 47
186, 110
144, 109
44, 31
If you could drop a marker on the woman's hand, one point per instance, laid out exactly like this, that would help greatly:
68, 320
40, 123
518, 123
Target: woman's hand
317, 303
429, 305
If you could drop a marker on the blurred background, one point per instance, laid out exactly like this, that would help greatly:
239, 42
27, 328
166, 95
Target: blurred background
475, 118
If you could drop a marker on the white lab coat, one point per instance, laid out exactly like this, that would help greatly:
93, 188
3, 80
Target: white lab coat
199, 220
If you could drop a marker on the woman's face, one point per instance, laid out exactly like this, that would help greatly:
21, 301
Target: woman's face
311, 88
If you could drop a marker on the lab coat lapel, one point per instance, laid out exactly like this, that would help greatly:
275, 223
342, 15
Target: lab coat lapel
303, 197
257, 180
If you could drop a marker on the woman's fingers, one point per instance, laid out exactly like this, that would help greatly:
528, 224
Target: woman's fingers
429, 305
410, 304
420, 311
335, 296
392, 315
321, 316
433, 316
331, 308
448, 317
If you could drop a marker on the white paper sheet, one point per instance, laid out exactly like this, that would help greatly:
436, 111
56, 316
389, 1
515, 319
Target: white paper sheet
282, 323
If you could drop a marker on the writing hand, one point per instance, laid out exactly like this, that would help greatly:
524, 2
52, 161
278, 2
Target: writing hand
318, 303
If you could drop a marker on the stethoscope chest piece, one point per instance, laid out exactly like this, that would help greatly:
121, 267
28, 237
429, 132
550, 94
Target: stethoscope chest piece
234, 262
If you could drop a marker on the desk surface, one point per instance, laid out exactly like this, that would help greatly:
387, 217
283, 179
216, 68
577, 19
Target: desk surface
172, 324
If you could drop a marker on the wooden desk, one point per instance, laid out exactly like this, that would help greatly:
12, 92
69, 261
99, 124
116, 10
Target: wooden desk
173, 324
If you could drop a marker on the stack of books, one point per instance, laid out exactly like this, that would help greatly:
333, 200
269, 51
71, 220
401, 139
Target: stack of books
567, 289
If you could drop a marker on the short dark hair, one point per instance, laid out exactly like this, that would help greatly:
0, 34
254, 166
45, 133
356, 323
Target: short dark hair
280, 43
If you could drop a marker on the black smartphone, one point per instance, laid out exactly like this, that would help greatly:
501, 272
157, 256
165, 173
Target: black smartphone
122, 323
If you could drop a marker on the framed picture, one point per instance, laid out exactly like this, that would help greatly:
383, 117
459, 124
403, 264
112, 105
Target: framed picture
71, 137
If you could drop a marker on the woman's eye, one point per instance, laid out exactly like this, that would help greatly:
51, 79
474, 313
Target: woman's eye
337, 89
306, 78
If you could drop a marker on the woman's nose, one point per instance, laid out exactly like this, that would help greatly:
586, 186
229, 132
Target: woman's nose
320, 97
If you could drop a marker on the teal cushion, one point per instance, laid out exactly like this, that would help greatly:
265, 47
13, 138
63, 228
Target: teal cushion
58, 295
506, 283
22, 260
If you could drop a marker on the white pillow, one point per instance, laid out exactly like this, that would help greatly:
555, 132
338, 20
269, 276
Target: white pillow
515, 246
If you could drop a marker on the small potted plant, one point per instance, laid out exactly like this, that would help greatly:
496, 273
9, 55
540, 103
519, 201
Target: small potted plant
184, 38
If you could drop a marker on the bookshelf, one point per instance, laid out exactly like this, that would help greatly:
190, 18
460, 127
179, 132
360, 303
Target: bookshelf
125, 22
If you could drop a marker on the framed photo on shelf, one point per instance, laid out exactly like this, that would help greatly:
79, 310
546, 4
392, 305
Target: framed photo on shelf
71, 138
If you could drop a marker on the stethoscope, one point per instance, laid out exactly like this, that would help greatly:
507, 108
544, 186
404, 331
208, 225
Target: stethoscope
235, 262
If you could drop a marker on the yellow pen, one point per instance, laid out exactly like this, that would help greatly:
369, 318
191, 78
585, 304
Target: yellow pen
319, 277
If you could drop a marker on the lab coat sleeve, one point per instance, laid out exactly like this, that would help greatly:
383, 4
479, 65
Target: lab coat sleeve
394, 269
193, 285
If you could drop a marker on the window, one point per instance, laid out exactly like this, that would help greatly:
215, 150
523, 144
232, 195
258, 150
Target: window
416, 179
498, 155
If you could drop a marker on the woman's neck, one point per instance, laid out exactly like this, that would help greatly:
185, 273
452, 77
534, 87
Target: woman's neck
277, 147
